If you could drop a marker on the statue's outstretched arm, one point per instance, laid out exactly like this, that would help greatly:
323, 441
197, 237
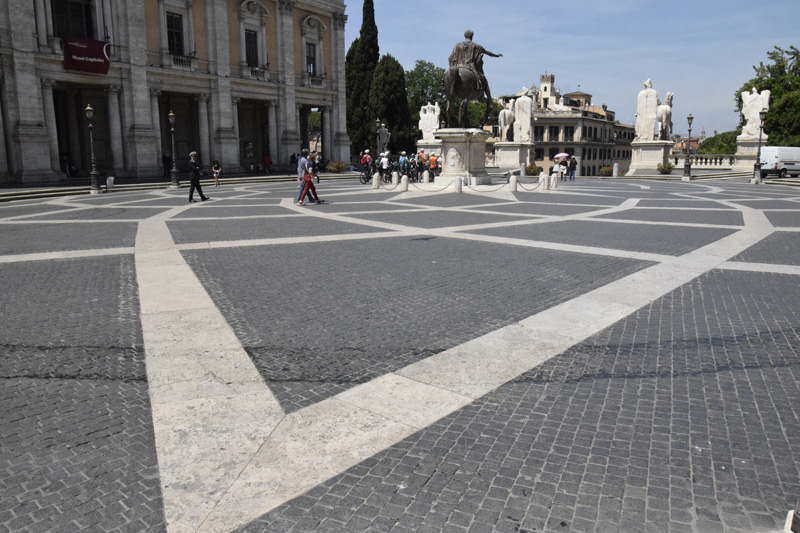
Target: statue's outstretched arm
488, 53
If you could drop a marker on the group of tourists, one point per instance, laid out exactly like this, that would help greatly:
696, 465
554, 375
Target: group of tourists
403, 164
565, 167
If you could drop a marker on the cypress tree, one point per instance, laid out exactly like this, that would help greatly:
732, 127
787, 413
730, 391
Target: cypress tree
360, 62
388, 100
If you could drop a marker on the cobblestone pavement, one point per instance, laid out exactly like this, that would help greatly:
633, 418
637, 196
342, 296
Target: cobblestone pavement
611, 356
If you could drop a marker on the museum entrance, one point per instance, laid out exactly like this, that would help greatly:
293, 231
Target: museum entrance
253, 135
70, 101
187, 137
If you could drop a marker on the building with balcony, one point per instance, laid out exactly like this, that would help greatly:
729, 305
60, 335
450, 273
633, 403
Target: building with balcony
240, 77
569, 123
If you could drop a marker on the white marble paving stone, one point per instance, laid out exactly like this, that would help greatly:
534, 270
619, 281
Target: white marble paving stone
226, 451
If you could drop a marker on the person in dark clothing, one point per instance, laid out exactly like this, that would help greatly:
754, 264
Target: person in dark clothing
166, 160
196, 169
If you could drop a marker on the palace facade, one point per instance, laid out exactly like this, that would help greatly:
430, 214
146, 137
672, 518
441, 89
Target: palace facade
240, 78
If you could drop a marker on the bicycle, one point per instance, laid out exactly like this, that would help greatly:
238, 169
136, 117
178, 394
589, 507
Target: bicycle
366, 175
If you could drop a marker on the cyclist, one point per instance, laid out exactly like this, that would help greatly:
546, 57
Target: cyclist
403, 162
366, 160
433, 163
422, 161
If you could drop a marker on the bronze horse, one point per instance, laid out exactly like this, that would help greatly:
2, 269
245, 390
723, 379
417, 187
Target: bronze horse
464, 83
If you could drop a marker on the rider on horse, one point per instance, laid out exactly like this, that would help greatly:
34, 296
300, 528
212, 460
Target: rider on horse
470, 55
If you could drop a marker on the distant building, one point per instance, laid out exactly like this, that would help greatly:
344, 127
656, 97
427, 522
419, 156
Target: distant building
680, 145
241, 78
570, 124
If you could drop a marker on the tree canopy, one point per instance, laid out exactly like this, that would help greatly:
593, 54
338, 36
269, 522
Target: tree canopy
782, 78
424, 85
722, 143
388, 101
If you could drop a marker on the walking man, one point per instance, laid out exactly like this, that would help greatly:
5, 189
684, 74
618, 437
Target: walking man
304, 176
196, 169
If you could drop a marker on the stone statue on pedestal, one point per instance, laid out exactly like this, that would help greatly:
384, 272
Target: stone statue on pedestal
429, 120
664, 114
646, 108
506, 120
523, 107
752, 104
383, 138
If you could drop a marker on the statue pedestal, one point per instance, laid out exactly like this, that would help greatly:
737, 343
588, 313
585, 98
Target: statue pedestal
510, 155
463, 156
432, 146
647, 155
746, 151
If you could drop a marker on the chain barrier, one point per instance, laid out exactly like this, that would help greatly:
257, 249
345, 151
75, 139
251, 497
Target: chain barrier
500, 187
383, 186
521, 186
437, 190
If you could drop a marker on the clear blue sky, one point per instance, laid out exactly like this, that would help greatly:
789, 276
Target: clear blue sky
702, 51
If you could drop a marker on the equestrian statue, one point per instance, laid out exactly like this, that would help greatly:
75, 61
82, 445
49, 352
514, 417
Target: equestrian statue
465, 79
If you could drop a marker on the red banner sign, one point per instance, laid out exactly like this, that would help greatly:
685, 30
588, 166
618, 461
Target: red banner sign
86, 55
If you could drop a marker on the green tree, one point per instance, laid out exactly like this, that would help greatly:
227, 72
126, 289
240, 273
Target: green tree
722, 143
360, 62
424, 84
389, 102
782, 79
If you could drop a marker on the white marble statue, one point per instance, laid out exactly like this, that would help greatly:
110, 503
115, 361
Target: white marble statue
559, 106
752, 104
664, 115
429, 120
646, 107
523, 108
506, 120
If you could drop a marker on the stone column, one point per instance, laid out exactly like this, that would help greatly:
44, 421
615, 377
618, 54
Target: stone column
328, 151
50, 122
242, 46
287, 121
273, 131
3, 155
115, 129
340, 140
561, 134
74, 125
190, 28
155, 118
162, 31
262, 39
41, 25
202, 124
235, 105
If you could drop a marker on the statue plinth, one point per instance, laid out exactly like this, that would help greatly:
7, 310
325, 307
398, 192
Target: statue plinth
746, 152
463, 156
647, 155
430, 146
510, 155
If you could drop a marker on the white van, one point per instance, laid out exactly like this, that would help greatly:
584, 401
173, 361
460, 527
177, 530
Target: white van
780, 160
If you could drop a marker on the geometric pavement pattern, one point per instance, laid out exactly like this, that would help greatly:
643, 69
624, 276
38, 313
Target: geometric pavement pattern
681, 416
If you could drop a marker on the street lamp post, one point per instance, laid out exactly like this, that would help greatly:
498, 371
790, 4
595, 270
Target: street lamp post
757, 167
173, 173
687, 163
94, 189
